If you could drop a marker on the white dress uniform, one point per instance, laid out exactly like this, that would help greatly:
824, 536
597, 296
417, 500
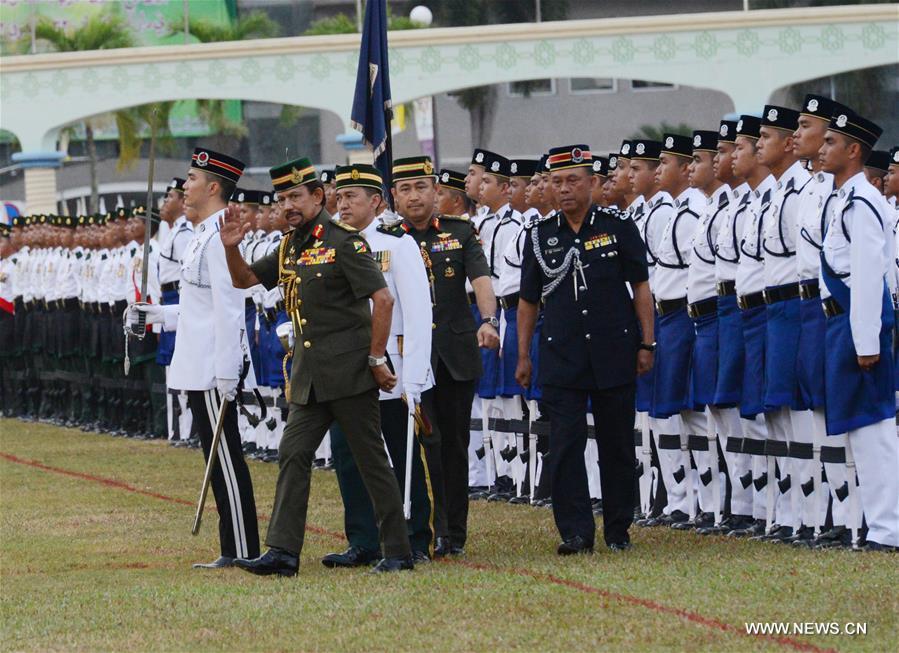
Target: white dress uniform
212, 345
171, 249
780, 227
858, 248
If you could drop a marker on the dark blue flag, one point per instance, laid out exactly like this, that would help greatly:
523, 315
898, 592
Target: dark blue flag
371, 104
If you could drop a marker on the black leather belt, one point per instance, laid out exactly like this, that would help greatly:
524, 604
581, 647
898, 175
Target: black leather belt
509, 301
752, 300
781, 293
809, 289
726, 288
167, 287
703, 307
831, 307
472, 298
665, 306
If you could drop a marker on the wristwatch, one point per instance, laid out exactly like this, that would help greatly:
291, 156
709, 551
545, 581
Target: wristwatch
492, 321
376, 361
647, 346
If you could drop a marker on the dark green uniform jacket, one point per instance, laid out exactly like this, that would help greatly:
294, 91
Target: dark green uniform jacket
455, 253
327, 274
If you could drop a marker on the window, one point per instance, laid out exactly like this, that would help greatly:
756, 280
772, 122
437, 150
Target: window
531, 87
642, 85
579, 85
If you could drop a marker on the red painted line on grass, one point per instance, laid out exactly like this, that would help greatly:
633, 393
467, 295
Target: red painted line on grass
692, 617
649, 604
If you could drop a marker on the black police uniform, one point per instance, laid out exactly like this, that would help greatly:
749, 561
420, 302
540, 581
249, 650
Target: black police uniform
588, 351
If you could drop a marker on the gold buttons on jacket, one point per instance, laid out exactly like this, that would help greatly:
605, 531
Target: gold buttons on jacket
303, 321
307, 344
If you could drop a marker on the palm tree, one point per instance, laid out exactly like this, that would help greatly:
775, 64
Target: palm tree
100, 32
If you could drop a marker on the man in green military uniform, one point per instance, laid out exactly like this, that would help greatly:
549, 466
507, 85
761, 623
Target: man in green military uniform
328, 276
452, 254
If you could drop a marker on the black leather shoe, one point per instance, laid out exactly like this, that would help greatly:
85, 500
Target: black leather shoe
870, 545
273, 561
782, 534
393, 564
619, 547
836, 537
802, 537
756, 527
442, 547
353, 557
575, 545
420, 557
220, 563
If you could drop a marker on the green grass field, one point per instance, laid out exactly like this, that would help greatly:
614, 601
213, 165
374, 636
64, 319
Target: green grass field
96, 554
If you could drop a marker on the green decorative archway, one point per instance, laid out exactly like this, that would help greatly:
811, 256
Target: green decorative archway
747, 55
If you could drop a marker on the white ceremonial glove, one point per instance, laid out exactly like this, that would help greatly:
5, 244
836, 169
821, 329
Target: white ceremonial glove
285, 335
154, 312
413, 392
227, 388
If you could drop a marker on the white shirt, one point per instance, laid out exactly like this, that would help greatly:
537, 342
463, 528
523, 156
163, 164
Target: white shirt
407, 279
780, 229
211, 342
656, 212
273, 296
727, 242
858, 243
171, 248
676, 246
701, 277
812, 201
496, 231
751, 271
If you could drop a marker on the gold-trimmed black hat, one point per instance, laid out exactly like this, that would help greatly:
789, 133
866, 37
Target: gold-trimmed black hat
293, 173
821, 107
523, 168
413, 167
613, 161
478, 156
879, 160
327, 176
749, 126
177, 184
894, 156
677, 145
496, 164
358, 174
727, 131
248, 196
645, 150
854, 126
217, 164
601, 166
570, 156
780, 118
626, 149
452, 179
705, 141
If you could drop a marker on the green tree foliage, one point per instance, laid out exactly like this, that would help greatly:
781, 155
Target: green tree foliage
105, 31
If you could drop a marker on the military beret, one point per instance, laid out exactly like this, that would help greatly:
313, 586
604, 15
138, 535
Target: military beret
296, 172
413, 167
249, 197
894, 156
359, 174
327, 176
647, 150
677, 145
478, 156
523, 167
613, 161
601, 166
749, 126
823, 108
177, 184
879, 160
705, 141
495, 164
727, 131
626, 149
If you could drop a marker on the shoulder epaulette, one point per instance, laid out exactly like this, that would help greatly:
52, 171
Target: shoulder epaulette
396, 230
533, 222
459, 218
343, 226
